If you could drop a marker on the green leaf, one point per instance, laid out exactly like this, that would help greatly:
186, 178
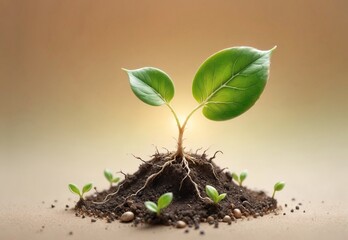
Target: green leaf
243, 175
235, 177
108, 175
116, 179
74, 189
220, 197
164, 200
151, 85
279, 186
151, 206
229, 82
211, 192
87, 188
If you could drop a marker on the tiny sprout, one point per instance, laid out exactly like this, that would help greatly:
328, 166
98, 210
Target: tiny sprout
74, 189
213, 194
278, 187
239, 179
162, 203
110, 177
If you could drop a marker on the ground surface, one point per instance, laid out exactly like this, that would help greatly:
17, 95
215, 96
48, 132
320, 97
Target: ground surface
23, 215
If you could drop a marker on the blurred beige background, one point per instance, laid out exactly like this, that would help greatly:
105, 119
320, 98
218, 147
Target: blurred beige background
67, 110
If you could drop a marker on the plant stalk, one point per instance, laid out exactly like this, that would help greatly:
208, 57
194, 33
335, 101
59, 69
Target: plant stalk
181, 128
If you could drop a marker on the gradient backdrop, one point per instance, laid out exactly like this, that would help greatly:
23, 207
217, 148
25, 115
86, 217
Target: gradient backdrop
67, 110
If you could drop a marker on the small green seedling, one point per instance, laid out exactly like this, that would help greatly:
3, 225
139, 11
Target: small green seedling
110, 177
162, 203
74, 189
213, 194
278, 187
239, 179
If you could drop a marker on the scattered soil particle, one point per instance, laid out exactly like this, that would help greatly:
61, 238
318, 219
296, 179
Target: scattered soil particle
293, 199
202, 232
52, 206
187, 231
292, 210
304, 211
286, 205
66, 206
55, 201
297, 208
284, 214
71, 233
300, 204
161, 177
216, 224
93, 220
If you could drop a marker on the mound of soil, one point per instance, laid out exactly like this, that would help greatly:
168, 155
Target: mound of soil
165, 173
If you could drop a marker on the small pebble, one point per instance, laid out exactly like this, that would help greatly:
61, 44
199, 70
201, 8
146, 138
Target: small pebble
284, 214
93, 220
237, 213
292, 210
297, 207
180, 224
286, 205
227, 219
52, 206
210, 220
127, 216
67, 206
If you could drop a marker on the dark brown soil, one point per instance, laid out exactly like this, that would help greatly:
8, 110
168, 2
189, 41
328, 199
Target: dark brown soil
186, 205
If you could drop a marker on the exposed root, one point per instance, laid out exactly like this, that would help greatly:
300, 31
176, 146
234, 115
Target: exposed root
124, 174
188, 175
170, 158
106, 199
166, 150
153, 176
194, 160
139, 158
204, 153
199, 149
213, 157
221, 170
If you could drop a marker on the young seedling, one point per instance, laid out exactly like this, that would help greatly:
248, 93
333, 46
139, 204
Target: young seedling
110, 177
74, 189
226, 85
213, 194
278, 187
239, 179
162, 203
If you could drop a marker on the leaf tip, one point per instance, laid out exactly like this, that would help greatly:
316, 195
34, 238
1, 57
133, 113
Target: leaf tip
125, 69
274, 48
